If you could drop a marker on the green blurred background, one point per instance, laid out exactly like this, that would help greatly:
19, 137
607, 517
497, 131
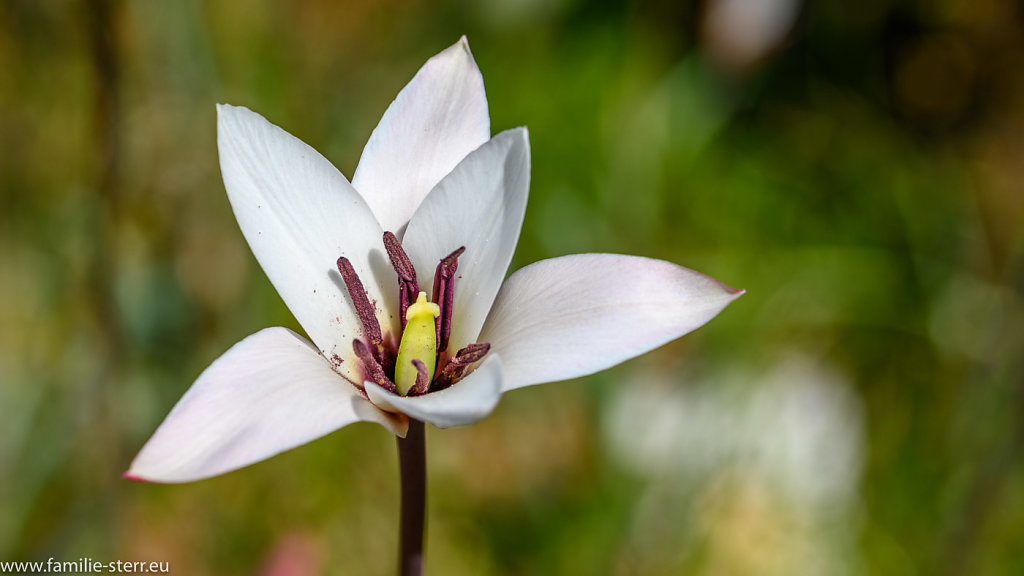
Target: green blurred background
856, 166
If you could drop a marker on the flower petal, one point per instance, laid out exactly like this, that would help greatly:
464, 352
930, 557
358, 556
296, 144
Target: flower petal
575, 315
299, 214
436, 120
267, 394
465, 402
480, 205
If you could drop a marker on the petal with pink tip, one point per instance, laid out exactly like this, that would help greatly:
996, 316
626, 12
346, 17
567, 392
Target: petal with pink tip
269, 393
575, 315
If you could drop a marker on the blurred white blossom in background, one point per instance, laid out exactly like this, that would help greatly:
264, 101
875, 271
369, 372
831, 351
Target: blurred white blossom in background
761, 470
739, 34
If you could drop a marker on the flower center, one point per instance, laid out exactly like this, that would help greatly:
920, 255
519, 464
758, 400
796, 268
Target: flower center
425, 328
417, 354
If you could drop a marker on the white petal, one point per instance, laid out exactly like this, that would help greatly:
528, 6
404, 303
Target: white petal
575, 315
436, 120
480, 205
299, 214
267, 394
465, 402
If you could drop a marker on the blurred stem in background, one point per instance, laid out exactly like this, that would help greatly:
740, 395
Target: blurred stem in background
102, 390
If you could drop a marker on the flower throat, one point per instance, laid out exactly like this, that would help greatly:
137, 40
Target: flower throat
425, 328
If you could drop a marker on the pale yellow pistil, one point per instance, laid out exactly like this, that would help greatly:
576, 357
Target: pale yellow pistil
419, 342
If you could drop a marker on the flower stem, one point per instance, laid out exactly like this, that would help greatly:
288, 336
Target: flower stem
412, 464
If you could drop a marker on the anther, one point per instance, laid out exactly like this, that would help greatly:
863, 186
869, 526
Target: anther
456, 365
422, 379
444, 295
407, 286
364, 309
472, 353
374, 372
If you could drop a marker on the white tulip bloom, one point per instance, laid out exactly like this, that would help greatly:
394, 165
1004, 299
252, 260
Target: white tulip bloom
453, 199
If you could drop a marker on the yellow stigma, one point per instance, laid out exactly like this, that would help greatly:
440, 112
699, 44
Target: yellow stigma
419, 341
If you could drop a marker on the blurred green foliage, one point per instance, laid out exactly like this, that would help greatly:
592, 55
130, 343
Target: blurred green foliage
858, 411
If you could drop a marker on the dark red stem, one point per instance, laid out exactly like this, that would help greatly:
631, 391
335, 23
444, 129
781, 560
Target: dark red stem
412, 465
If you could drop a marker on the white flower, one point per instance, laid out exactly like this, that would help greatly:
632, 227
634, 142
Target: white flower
431, 174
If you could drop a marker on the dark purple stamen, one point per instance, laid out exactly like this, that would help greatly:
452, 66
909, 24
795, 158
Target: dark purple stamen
472, 352
444, 295
371, 328
408, 289
456, 366
422, 378
374, 371
465, 357
379, 359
